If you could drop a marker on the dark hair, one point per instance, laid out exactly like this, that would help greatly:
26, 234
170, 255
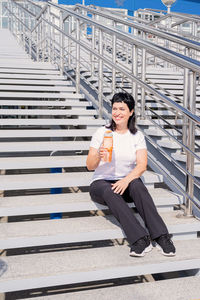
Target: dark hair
130, 102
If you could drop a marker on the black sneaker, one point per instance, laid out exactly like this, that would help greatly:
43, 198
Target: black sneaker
141, 246
165, 244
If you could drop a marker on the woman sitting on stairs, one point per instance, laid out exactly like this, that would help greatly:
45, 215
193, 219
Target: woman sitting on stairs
117, 182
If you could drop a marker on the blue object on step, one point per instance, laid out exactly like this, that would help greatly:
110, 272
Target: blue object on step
56, 191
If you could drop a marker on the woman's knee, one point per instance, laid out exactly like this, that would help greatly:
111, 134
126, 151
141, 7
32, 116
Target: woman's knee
137, 186
98, 190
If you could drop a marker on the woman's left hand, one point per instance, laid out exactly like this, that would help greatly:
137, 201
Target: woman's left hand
120, 186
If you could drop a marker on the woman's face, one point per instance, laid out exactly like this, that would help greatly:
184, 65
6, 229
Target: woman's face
121, 113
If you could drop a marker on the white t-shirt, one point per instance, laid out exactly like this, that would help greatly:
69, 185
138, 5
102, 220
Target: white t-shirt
123, 155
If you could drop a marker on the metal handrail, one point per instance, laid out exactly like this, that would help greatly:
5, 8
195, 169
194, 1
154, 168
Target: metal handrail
179, 15
175, 105
147, 29
194, 65
134, 18
171, 56
25, 9
178, 187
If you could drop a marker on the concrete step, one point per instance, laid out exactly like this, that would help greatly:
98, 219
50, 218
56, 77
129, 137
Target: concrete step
159, 133
48, 112
25, 272
179, 288
44, 146
28, 71
30, 133
161, 75
168, 143
183, 160
43, 95
151, 104
167, 81
54, 180
147, 122
40, 77
40, 88
81, 229
32, 82
74, 202
26, 64
35, 162
169, 86
49, 103
159, 71
182, 157
160, 112
51, 122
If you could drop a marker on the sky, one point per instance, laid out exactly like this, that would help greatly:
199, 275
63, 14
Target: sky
185, 6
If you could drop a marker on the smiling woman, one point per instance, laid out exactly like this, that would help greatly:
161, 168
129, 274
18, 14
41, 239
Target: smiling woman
117, 182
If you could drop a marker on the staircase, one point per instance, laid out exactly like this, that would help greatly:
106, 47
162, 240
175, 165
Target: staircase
45, 132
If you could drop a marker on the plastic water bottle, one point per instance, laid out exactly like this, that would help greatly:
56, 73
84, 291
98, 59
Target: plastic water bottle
108, 145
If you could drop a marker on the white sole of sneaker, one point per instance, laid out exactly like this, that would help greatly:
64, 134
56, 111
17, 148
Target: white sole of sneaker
146, 250
164, 253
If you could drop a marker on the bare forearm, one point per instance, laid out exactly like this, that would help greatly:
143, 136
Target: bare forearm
93, 161
94, 157
136, 172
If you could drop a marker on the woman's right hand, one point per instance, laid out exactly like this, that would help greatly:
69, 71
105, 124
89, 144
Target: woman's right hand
102, 152
95, 156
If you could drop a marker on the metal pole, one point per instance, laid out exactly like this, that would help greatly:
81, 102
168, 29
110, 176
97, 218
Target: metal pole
41, 39
37, 42
69, 41
143, 78
48, 42
77, 56
61, 38
100, 90
24, 30
114, 61
93, 48
29, 35
53, 39
135, 73
191, 145
185, 102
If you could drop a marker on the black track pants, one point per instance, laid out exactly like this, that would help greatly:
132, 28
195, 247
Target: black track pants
101, 192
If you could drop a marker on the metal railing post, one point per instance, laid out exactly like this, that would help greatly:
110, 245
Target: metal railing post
29, 37
50, 36
53, 38
143, 78
190, 144
24, 30
185, 104
42, 40
114, 61
61, 39
135, 73
36, 42
77, 56
18, 25
100, 89
69, 42
48, 42
93, 48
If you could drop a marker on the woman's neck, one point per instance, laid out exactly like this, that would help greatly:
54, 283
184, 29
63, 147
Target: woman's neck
121, 129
